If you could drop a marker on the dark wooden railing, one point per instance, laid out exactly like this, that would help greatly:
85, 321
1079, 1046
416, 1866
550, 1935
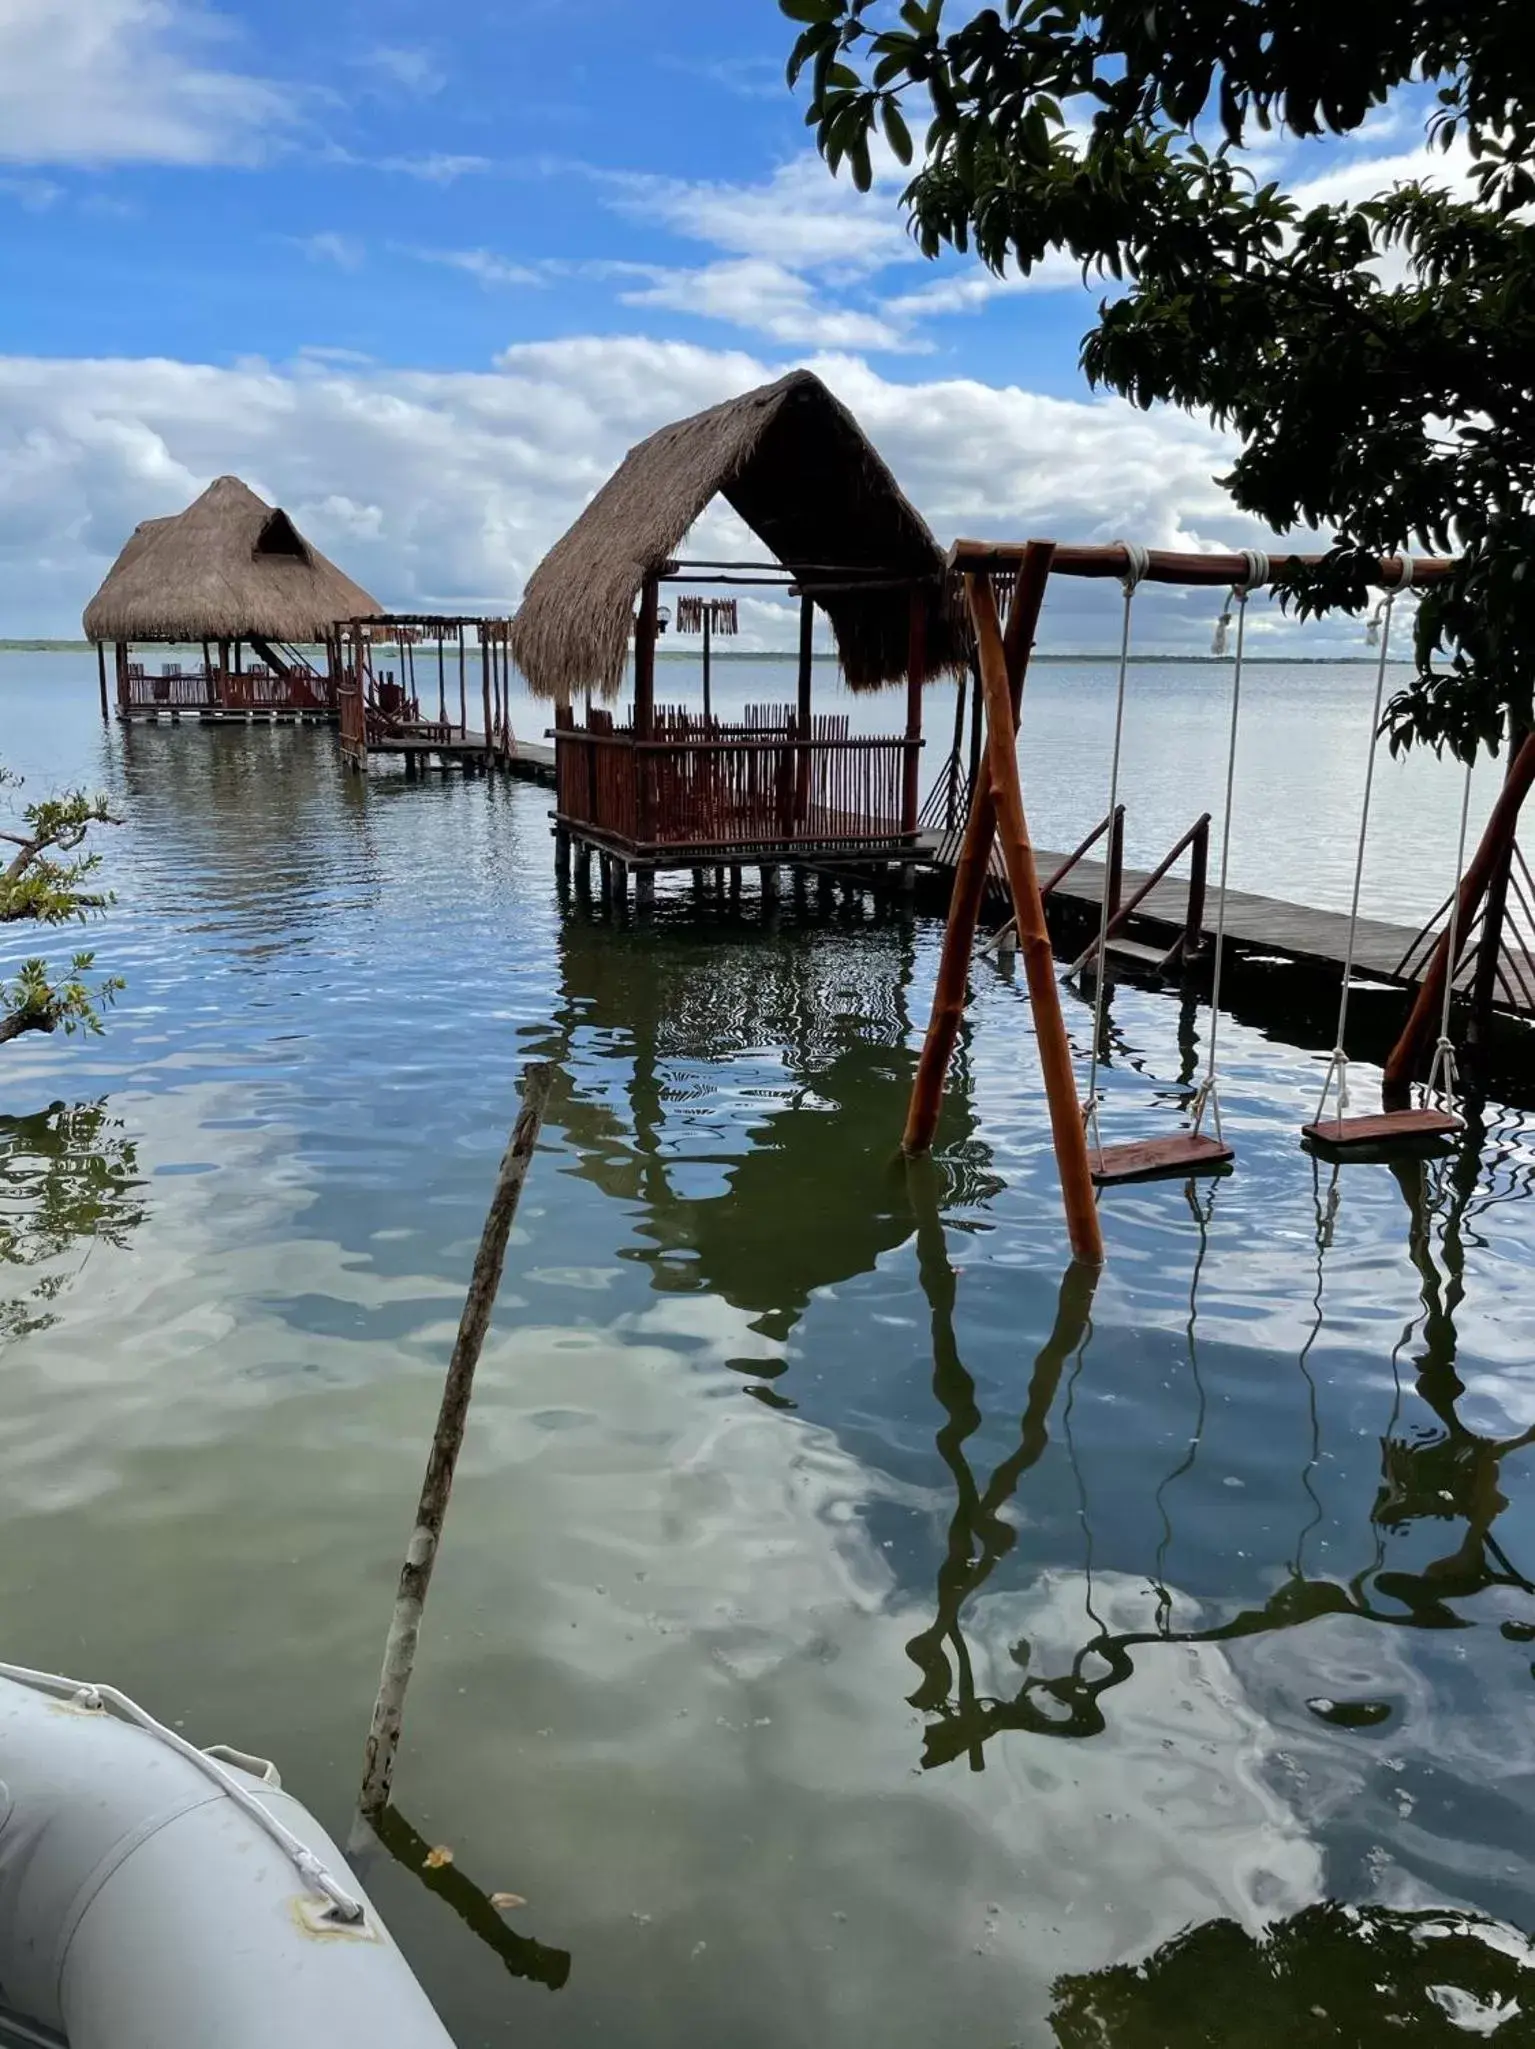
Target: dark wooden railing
216, 689
697, 785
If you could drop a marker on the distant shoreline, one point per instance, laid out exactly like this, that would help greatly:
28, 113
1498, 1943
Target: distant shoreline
788, 655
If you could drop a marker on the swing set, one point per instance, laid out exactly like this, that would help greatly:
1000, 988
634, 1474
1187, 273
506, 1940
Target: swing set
997, 814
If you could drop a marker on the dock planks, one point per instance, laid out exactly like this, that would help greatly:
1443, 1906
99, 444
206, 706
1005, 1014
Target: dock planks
1256, 924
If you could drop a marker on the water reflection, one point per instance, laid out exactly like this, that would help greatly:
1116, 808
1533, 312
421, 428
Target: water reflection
1330, 1974
761, 1192
1447, 1473
523, 1956
68, 1181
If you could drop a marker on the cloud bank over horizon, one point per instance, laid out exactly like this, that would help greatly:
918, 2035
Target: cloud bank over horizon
442, 489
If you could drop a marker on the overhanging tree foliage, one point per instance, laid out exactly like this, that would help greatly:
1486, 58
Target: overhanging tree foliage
1376, 360
45, 881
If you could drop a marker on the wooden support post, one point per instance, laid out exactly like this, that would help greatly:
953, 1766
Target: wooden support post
620, 891
463, 694
644, 891
486, 659
1114, 875
562, 853
951, 795
1423, 1023
120, 663
583, 868
1489, 946
770, 882
442, 677
802, 714
1066, 1123
972, 867
646, 629
447, 1441
101, 675
977, 733
708, 705
916, 678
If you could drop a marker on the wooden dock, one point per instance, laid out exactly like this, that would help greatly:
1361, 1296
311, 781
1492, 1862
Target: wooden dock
530, 761
1259, 929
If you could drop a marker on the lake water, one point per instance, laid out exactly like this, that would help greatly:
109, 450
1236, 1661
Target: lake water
851, 1626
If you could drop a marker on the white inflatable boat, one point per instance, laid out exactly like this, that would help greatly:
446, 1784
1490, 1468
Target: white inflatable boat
155, 1896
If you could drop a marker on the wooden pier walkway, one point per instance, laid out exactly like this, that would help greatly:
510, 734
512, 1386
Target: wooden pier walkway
1261, 928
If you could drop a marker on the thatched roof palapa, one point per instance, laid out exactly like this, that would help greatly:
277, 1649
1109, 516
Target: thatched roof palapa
231, 567
794, 463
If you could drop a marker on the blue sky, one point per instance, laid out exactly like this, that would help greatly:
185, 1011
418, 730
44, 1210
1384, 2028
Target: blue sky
423, 272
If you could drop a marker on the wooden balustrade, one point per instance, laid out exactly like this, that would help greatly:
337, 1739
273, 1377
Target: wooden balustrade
705, 787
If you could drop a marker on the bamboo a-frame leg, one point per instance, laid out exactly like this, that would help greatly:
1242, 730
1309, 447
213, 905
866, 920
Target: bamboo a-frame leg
997, 806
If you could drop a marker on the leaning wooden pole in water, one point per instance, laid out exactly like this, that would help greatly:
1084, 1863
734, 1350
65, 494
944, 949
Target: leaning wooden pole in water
437, 1486
971, 869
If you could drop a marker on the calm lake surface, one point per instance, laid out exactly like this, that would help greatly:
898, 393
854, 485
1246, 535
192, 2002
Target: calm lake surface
851, 1627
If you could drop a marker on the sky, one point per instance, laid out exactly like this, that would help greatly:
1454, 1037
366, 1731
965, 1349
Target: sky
422, 273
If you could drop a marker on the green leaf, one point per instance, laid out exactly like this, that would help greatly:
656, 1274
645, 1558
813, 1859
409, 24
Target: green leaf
897, 134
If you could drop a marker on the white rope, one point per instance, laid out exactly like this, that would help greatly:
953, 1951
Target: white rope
1444, 1066
1208, 1096
1137, 562
95, 1698
1380, 633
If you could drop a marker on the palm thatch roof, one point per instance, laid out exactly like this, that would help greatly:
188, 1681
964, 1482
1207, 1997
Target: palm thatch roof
798, 468
231, 567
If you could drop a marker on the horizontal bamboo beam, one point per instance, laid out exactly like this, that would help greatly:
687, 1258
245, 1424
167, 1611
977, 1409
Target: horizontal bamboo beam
1164, 566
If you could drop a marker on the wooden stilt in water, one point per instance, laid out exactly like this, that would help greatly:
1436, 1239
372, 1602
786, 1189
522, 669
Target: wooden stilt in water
101, 675
447, 1441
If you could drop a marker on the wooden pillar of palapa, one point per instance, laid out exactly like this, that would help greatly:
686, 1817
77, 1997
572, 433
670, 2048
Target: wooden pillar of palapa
802, 709
645, 630
101, 676
708, 705
916, 677
120, 664
486, 658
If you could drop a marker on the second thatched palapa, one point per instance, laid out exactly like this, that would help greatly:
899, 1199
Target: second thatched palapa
797, 467
231, 568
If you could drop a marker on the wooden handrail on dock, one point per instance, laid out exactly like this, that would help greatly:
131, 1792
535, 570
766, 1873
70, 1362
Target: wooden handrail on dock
1188, 942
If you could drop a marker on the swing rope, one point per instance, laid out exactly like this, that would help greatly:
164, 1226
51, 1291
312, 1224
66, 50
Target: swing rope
1137, 562
1379, 631
1444, 1067
1208, 1096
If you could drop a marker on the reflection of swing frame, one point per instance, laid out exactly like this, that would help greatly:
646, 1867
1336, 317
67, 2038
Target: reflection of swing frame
1417, 1478
997, 808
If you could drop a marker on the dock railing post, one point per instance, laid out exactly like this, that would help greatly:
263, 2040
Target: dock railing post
1114, 877
1192, 943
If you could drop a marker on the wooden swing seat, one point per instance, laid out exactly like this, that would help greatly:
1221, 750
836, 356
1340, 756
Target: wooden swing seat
1383, 1132
1157, 1159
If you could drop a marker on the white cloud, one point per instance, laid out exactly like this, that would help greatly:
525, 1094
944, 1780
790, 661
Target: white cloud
483, 264
801, 216
116, 81
37, 195
437, 167
445, 488
763, 297
405, 69
344, 251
